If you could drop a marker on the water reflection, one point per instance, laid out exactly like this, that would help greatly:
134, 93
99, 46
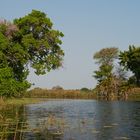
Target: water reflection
12, 122
88, 119
75, 120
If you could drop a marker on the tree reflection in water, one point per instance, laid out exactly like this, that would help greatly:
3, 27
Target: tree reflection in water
71, 120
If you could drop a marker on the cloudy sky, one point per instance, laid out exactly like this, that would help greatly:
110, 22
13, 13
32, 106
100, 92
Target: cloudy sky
88, 26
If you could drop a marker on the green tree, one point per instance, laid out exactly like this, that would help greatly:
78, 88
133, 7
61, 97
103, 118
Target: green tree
84, 89
131, 61
28, 41
104, 72
57, 88
105, 58
107, 81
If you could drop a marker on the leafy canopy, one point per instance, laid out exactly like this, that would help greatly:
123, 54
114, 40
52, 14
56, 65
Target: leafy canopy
131, 61
105, 58
28, 41
106, 55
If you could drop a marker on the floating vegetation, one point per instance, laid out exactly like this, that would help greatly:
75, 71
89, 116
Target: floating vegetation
108, 126
114, 124
95, 131
122, 138
48, 122
12, 129
13, 124
53, 126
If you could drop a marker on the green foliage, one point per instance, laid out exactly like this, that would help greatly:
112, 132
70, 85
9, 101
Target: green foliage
117, 83
103, 73
132, 80
107, 81
84, 89
40, 41
9, 86
57, 88
105, 58
29, 41
131, 61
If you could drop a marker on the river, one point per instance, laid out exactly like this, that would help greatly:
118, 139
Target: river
78, 120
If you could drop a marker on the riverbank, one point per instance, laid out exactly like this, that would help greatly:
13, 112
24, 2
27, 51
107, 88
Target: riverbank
39, 95
20, 101
79, 94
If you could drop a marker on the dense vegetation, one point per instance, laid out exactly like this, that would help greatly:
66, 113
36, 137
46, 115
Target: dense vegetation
114, 81
60, 93
29, 41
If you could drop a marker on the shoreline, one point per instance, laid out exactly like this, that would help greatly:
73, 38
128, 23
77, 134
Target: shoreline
35, 100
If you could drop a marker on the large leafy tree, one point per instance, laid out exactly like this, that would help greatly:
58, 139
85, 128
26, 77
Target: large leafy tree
28, 41
131, 61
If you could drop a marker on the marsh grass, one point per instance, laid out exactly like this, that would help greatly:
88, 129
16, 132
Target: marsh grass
63, 94
13, 129
11, 123
134, 95
14, 125
52, 126
20, 101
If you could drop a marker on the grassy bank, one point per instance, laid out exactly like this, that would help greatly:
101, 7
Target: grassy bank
37, 95
20, 101
135, 95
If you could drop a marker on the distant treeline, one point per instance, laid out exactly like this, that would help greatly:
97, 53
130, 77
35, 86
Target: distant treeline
60, 93
78, 94
113, 74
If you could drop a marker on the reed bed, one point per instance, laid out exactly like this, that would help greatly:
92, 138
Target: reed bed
78, 94
16, 130
64, 94
15, 126
12, 123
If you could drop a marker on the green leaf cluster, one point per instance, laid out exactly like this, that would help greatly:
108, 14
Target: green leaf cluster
105, 58
131, 61
28, 41
107, 80
115, 81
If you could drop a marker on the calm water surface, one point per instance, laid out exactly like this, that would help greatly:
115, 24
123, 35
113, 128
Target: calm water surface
88, 119
82, 120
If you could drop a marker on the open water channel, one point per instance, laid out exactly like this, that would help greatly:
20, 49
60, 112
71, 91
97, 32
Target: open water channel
71, 120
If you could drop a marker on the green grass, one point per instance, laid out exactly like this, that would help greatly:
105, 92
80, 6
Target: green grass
134, 97
21, 101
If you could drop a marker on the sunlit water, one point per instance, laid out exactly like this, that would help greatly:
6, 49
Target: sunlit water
71, 120
82, 120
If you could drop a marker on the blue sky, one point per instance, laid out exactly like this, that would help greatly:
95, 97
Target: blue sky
88, 26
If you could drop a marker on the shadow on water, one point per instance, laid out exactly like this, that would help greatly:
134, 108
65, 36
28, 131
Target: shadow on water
71, 120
